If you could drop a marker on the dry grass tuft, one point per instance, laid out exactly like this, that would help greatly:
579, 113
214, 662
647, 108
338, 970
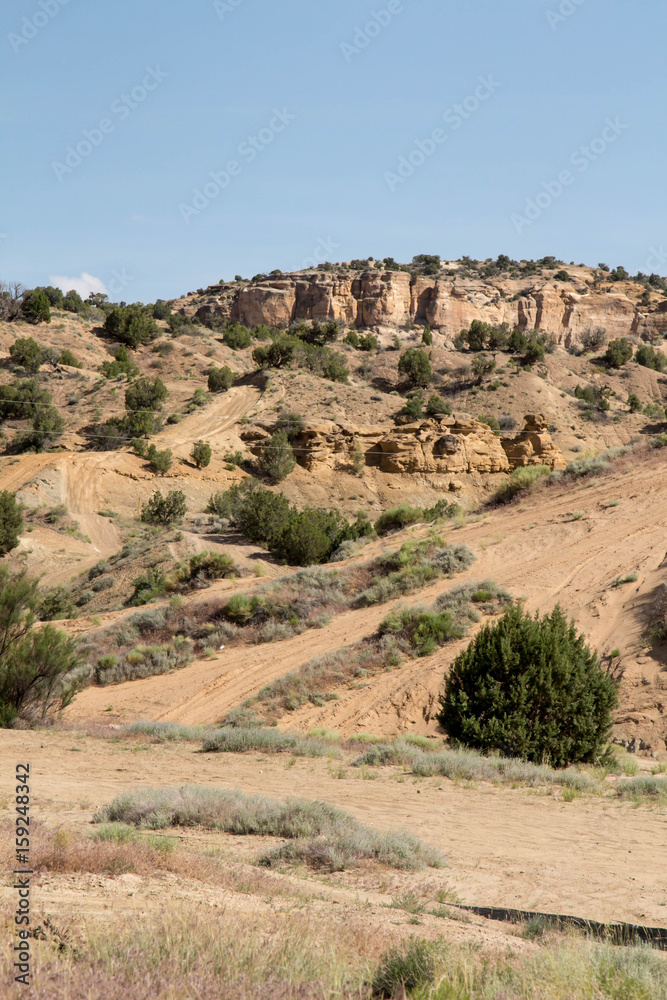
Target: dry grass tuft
324, 837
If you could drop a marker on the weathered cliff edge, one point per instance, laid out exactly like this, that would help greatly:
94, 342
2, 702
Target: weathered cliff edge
452, 445
393, 300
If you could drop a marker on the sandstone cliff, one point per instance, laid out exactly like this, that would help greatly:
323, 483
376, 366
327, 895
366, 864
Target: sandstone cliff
452, 445
387, 301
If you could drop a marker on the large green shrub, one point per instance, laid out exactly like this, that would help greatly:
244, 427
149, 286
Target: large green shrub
436, 405
121, 365
531, 688
301, 537
11, 522
290, 349
160, 461
72, 302
161, 310
22, 399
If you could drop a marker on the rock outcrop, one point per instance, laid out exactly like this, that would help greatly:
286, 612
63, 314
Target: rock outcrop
393, 300
533, 446
445, 444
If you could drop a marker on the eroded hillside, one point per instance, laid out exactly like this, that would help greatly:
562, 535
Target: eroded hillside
367, 438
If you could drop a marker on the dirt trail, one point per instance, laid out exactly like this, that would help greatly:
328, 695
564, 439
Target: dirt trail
212, 422
537, 550
207, 689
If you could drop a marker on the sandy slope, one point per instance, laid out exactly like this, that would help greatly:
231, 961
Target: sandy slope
536, 549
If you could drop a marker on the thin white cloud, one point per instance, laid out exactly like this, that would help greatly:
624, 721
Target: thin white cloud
84, 284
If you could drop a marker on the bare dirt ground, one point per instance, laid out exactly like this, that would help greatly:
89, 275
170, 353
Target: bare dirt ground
506, 847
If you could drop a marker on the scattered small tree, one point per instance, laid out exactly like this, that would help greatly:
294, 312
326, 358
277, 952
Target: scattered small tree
11, 522
291, 423
482, 366
34, 662
145, 394
427, 336
634, 402
67, 358
618, 352
531, 688
368, 343
161, 310
416, 367
220, 379
132, 325
27, 353
593, 338
414, 406
358, 459
490, 421
648, 357
237, 337
36, 307
164, 510
72, 302
534, 352
277, 458
436, 405
121, 365
201, 454
160, 461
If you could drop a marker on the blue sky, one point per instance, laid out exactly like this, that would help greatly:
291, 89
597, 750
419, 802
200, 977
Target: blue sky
304, 111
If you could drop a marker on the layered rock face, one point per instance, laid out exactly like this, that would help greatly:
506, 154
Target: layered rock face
451, 445
391, 300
